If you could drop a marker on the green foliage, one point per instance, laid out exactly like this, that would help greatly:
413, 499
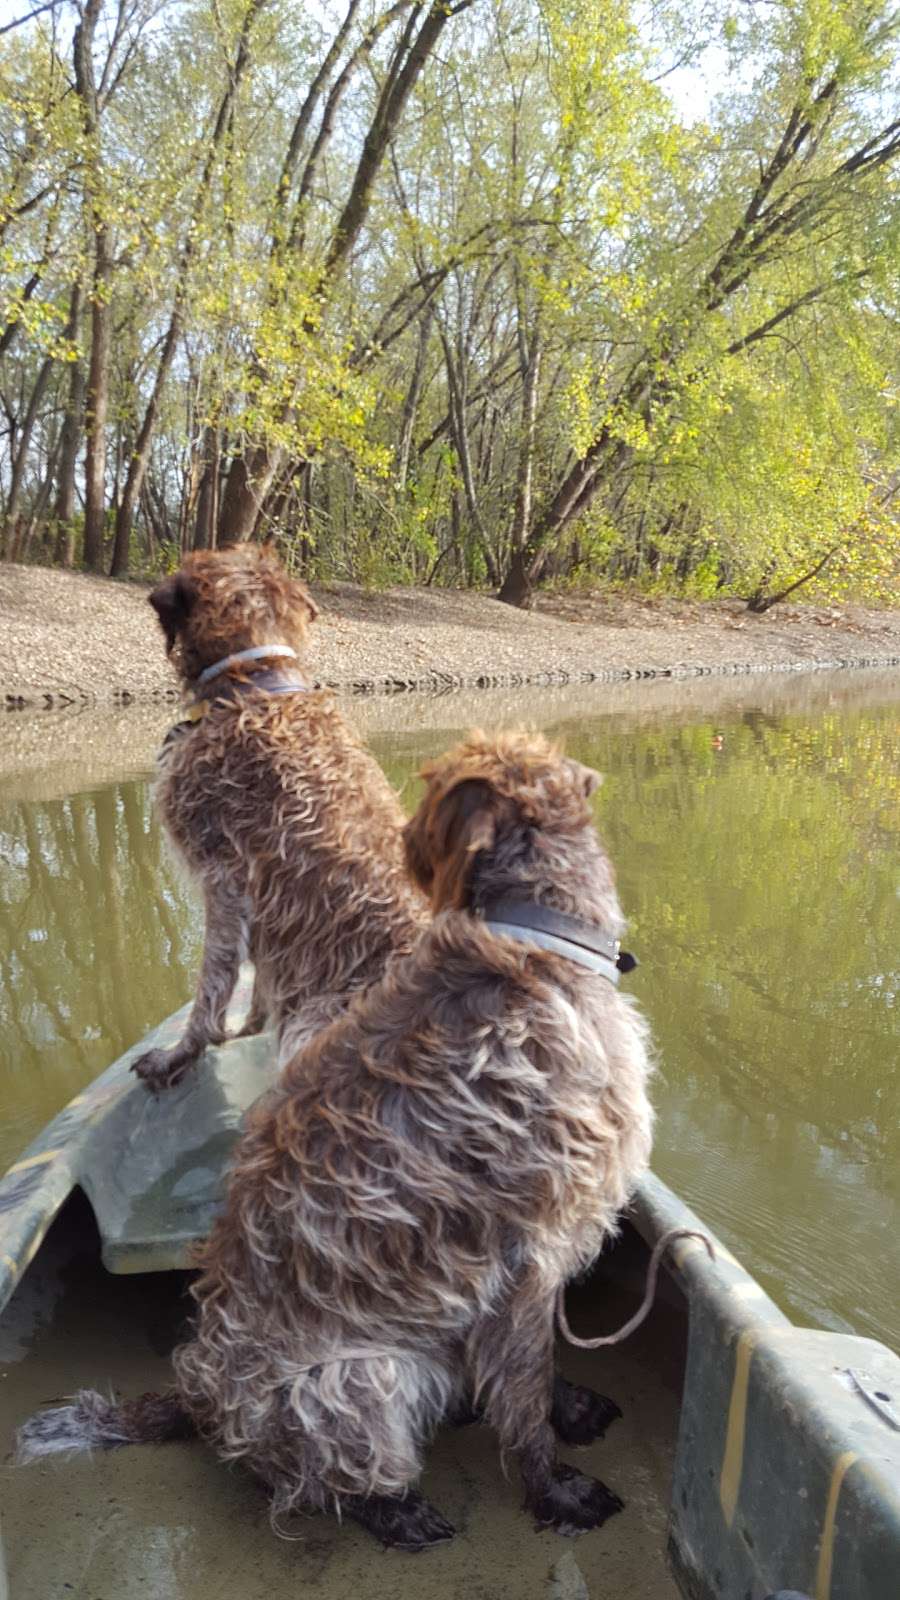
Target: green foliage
661, 227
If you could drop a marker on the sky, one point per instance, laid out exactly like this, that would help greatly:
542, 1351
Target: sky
691, 88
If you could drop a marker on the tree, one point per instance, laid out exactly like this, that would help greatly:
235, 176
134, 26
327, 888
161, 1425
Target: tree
455, 293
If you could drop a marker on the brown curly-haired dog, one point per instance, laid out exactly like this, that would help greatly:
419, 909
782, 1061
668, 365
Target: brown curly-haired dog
406, 1204
278, 809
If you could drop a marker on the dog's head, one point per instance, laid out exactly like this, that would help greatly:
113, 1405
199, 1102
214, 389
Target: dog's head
222, 601
495, 814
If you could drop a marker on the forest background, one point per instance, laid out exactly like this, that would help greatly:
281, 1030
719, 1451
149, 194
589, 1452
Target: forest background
485, 293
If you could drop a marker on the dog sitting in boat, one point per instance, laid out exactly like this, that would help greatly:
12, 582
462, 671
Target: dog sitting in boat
406, 1204
275, 806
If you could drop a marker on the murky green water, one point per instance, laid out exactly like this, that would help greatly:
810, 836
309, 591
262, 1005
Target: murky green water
756, 830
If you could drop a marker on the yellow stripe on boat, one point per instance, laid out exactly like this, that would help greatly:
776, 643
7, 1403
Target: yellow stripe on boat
826, 1548
39, 1160
733, 1459
35, 1244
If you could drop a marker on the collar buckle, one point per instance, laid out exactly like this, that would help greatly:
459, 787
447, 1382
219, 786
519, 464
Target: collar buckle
560, 933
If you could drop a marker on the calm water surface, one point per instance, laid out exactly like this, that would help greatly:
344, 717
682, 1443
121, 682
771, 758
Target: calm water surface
755, 827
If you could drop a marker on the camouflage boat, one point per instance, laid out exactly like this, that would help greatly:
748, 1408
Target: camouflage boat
752, 1455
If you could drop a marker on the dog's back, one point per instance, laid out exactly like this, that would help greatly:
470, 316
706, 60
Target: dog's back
279, 802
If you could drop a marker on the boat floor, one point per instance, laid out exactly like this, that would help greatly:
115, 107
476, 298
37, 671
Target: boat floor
172, 1523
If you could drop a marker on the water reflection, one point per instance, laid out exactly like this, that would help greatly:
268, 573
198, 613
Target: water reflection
757, 849
98, 939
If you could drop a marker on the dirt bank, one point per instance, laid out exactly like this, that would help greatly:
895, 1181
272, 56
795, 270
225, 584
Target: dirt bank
68, 638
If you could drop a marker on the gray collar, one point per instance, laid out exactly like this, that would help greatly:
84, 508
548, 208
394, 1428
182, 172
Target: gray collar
259, 653
559, 933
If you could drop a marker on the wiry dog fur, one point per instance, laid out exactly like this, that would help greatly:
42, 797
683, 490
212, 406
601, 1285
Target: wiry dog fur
278, 809
407, 1202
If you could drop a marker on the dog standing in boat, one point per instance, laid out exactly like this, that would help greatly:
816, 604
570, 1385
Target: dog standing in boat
275, 806
406, 1205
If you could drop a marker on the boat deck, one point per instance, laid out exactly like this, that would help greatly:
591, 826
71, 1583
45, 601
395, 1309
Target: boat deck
172, 1523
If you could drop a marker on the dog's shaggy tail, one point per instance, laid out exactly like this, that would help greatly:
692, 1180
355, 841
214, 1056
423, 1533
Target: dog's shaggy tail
91, 1422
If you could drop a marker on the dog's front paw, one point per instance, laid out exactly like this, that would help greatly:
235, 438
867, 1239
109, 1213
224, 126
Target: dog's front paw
573, 1503
580, 1415
162, 1069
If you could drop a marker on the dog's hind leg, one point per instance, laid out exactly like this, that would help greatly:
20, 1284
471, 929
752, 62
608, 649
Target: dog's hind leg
258, 1014
511, 1357
368, 1418
578, 1414
224, 946
404, 1522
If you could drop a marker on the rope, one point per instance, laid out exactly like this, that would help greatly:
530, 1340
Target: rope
643, 1311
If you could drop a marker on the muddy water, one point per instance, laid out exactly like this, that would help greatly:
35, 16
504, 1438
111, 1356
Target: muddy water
755, 824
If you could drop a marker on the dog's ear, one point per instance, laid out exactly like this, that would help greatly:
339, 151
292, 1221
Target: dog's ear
418, 861
456, 826
173, 601
587, 779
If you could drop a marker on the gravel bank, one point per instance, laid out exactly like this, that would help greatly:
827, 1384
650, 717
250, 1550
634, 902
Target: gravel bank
71, 639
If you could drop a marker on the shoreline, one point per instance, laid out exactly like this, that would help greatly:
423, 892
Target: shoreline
452, 683
65, 750
71, 641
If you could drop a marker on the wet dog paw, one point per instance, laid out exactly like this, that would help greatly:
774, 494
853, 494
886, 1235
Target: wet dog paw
574, 1504
160, 1069
410, 1523
579, 1415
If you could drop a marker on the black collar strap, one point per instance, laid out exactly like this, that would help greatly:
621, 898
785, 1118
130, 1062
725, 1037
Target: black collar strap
557, 931
272, 680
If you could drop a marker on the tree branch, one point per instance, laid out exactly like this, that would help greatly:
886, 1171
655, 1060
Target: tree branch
28, 17
788, 311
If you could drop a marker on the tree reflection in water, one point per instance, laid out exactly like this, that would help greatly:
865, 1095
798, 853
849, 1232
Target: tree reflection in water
99, 939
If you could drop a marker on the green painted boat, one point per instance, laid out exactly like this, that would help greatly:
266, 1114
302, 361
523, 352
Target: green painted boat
753, 1455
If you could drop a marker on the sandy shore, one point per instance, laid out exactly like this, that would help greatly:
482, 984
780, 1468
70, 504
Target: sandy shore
71, 639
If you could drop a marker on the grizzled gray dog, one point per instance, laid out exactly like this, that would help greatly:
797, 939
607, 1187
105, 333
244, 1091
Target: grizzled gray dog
407, 1203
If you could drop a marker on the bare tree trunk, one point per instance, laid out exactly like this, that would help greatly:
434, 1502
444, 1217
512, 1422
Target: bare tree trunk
97, 407
20, 460
97, 403
140, 457
208, 494
64, 508
411, 402
149, 522
521, 522
517, 587
253, 472
42, 499
459, 430
307, 545
250, 477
